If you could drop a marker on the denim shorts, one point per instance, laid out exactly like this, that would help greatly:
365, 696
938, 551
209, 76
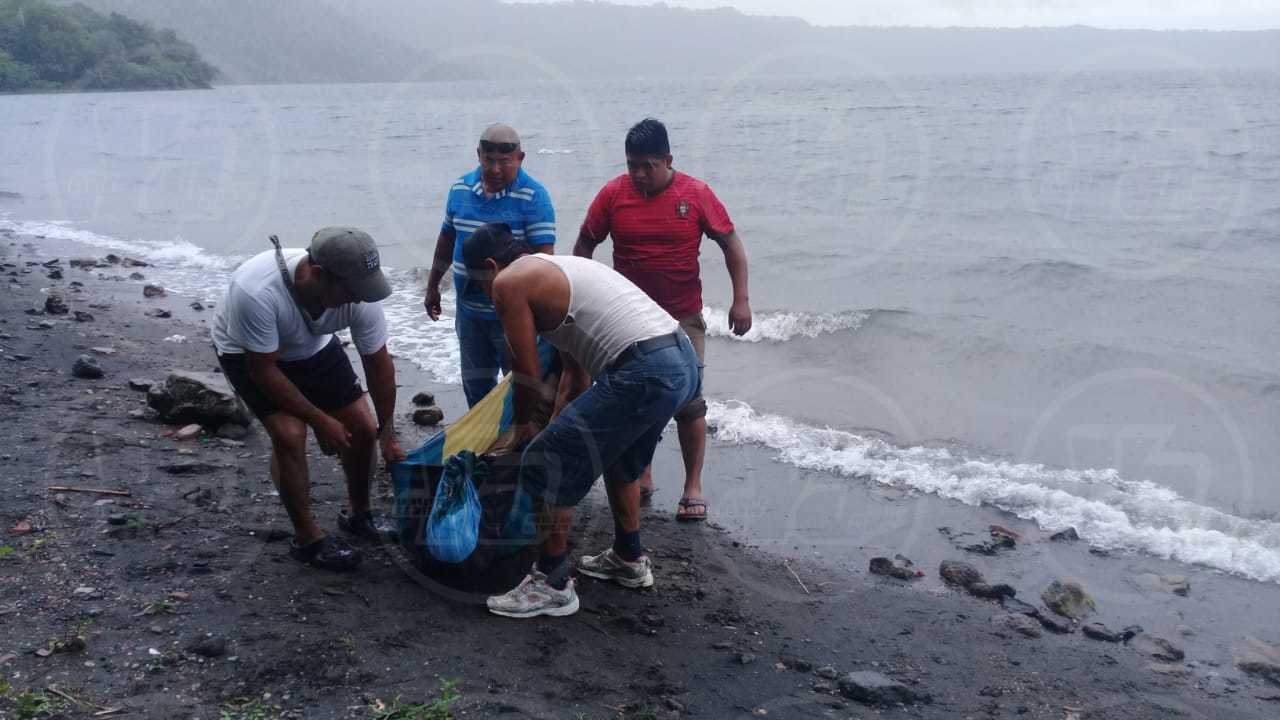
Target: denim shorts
612, 428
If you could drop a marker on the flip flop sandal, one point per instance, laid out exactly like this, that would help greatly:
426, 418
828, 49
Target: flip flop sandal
688, 504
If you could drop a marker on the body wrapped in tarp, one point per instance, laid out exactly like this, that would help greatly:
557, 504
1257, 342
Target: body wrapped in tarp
505, 523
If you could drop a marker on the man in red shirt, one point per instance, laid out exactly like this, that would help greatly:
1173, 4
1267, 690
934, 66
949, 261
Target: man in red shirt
658, 217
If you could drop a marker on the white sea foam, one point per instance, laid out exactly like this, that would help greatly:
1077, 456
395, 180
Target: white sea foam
554, 151
1106, 510
176, 252
432, 346
783, 326
188, 269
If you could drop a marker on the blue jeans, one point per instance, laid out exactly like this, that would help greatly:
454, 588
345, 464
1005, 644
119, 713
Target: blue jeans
483, 347
612, 428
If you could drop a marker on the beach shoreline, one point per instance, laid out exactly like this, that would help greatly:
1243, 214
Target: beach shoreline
767, 609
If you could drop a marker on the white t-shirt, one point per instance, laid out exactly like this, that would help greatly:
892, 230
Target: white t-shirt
259, 315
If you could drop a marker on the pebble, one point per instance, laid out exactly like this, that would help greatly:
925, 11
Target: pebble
232, 431
428, 416
189, 432
1068, 599
55, 305
210, 647
1021, 624
873, 688
1098, 631
87, 368
1157, 648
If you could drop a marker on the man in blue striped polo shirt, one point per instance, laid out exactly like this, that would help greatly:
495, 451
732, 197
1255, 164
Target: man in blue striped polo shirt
498, 191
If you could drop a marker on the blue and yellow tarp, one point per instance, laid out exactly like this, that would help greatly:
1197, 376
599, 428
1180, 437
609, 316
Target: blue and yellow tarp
480, 427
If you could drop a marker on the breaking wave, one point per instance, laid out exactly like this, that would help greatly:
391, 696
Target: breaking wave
188, 268
783, 326
1105, 509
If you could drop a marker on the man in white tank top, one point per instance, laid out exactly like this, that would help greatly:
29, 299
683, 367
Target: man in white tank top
627, 369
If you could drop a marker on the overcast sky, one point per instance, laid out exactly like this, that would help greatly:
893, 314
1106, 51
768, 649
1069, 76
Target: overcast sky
1153, 14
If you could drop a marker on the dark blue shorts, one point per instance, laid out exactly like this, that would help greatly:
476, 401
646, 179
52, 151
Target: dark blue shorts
612, 428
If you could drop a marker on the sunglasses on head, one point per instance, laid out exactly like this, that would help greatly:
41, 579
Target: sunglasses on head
499, 147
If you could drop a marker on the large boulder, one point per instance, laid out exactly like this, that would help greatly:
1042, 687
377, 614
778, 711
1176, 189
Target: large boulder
1068, 599
197, 397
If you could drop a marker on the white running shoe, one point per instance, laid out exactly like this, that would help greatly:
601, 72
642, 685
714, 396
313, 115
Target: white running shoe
534, 597
608, 565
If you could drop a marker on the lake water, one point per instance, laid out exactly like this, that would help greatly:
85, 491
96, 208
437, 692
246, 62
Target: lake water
1052, 294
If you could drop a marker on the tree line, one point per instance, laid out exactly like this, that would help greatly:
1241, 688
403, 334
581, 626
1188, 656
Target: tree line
43, 47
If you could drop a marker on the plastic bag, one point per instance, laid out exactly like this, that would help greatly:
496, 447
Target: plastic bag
453, 529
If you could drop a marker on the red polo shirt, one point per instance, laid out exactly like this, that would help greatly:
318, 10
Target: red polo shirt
656, 239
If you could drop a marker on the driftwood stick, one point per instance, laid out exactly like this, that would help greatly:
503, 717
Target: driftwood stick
92, 491
787, 565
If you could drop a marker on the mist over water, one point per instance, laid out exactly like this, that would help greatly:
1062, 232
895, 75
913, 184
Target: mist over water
1054, 294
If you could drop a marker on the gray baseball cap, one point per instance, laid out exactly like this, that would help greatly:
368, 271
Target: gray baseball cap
351, 254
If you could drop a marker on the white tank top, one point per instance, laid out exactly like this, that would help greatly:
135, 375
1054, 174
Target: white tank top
607, 313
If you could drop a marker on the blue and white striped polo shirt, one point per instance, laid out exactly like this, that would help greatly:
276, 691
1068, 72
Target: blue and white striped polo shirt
524, 205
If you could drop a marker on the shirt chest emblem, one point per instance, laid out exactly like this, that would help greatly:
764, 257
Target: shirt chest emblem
682, 209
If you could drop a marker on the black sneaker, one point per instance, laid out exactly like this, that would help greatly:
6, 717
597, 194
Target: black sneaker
327, 553
365, 525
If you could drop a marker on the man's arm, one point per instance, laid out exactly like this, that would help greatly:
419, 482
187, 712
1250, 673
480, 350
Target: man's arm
286, 396
380, 373
573, 382
585, 246
735, 259
440, 264
511, 301
596, 226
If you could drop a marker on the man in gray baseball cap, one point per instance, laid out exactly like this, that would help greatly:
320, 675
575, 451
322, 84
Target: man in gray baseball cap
351, 256
274, 335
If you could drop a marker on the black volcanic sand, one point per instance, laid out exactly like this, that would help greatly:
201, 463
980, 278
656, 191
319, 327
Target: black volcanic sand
189, 607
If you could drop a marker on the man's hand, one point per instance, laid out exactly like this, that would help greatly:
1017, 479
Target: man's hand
391, 452
332, 435
432, 302
514, 438
740, 317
